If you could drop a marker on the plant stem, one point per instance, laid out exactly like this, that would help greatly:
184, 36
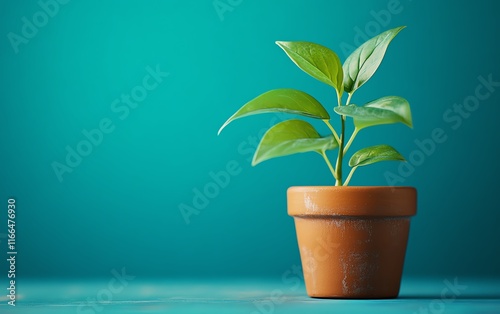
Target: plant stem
349, 95
332, 129
354, 133
350, 175
340, 157
329, 164
341, 153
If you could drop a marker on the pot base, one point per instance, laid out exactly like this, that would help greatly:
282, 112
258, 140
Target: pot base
352, 257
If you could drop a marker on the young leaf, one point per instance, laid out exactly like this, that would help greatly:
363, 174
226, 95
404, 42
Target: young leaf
364, 61
291, 137
385, 110
373, 154
281, 100
318, 61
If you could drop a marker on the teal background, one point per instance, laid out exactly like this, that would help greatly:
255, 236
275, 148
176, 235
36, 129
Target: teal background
120, 206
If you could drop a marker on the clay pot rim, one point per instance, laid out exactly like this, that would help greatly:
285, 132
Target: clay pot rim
349, 187
352, 201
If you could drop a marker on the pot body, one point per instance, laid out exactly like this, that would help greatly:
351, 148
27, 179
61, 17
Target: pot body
352, 240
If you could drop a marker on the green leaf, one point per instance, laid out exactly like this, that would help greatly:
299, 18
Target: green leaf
291, 137
281, 100
373, 154
364, 61
318, 61
385, 110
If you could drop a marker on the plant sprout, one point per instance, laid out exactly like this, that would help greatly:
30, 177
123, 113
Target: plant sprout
298, 136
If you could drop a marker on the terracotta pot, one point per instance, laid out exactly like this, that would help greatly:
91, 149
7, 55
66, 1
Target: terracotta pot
352, 240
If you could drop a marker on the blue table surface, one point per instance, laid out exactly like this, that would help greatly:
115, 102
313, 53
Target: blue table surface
251, 296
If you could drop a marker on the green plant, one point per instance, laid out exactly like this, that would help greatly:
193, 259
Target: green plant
298, 136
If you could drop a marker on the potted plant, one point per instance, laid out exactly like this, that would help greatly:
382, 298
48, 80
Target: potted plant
352, 240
